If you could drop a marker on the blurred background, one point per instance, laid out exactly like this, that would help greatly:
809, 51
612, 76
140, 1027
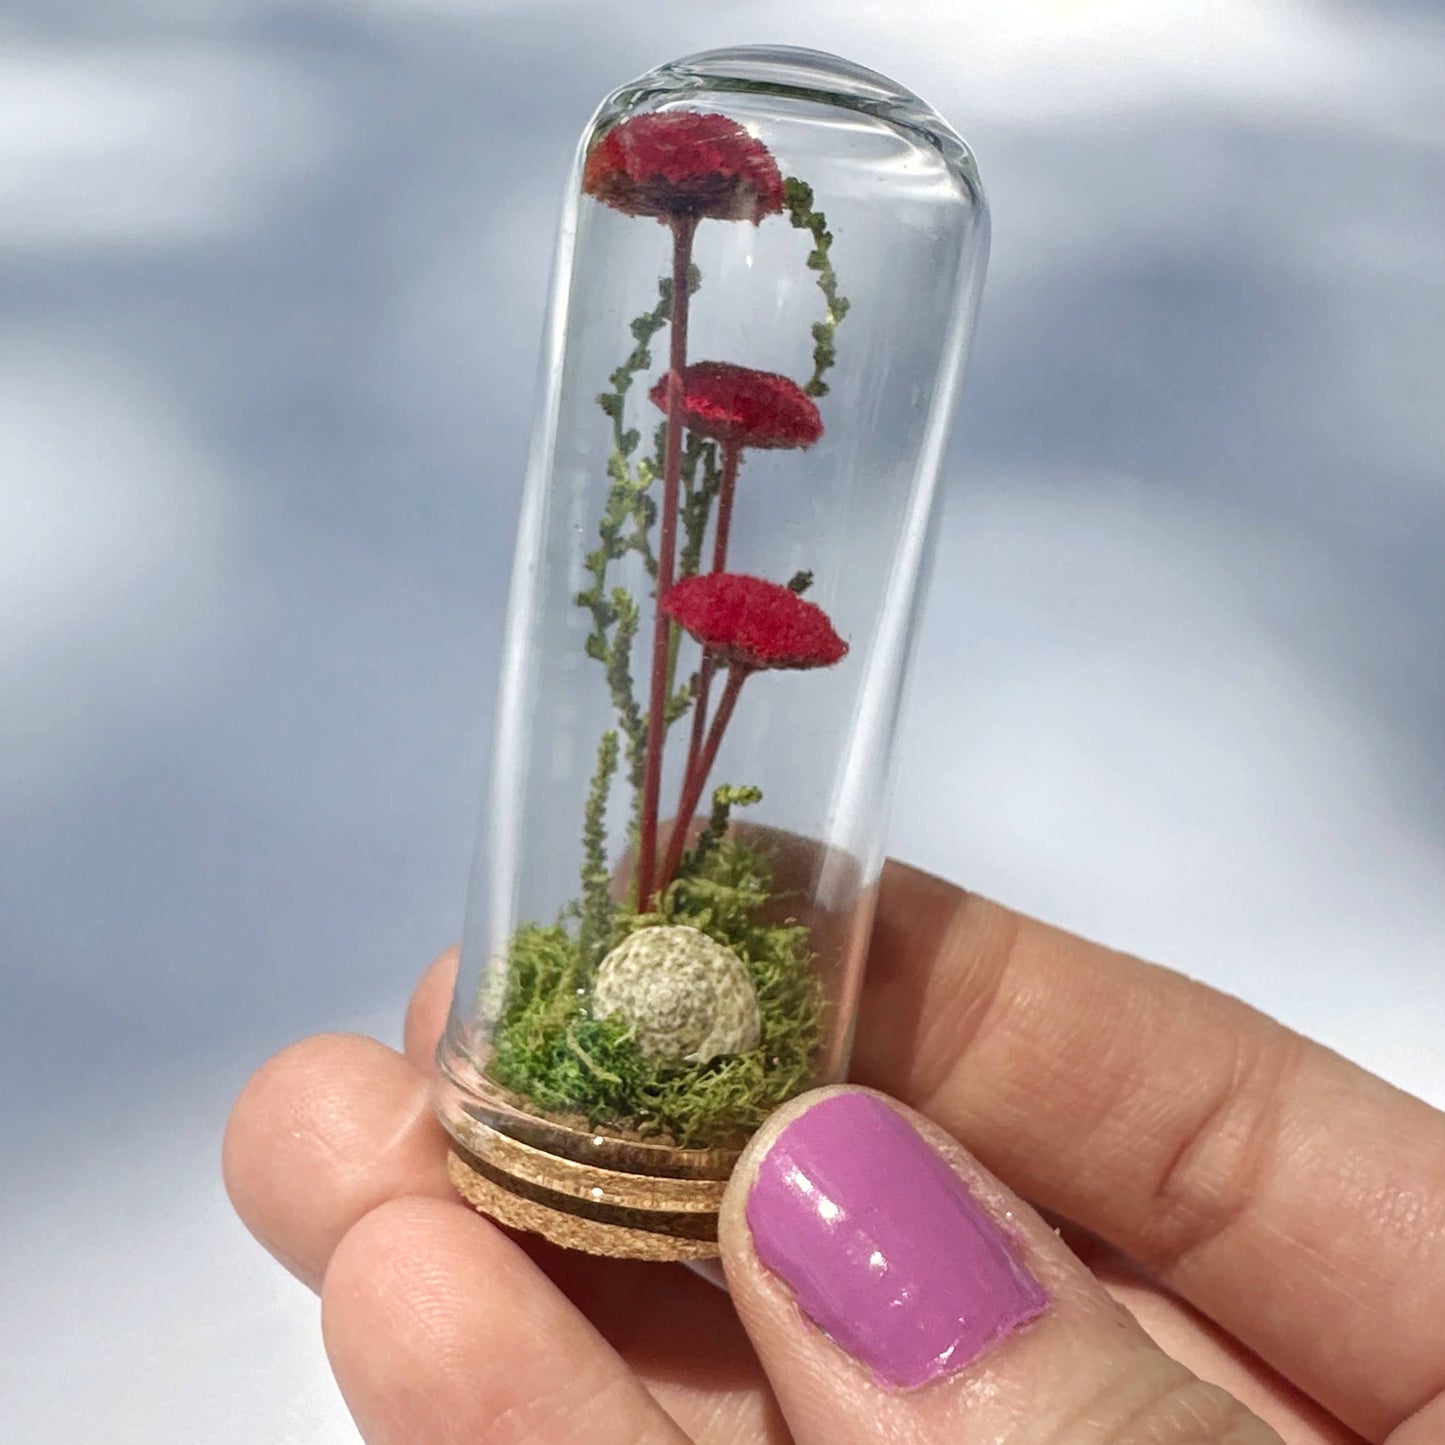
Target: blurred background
272, 285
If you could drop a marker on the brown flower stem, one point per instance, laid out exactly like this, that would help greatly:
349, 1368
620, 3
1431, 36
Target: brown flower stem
732, 455
683, 228
692, 790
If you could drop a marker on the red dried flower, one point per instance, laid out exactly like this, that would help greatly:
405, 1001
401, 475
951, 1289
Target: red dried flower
743, 407
752, 622
684, 163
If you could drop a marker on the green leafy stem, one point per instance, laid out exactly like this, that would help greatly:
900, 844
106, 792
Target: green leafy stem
724, 800
596, 910
798, 201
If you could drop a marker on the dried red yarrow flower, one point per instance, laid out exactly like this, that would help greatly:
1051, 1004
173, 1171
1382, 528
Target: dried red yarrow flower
684, 163
745, 408
752, 623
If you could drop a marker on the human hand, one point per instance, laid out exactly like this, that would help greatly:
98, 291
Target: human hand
1285, 1209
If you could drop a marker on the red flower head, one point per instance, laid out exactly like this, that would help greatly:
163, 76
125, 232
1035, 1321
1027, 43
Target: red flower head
753, 623
684, 163
745, 408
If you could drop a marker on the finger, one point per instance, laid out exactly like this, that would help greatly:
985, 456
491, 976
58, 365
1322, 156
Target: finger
730, 1396
1198, 1343
1425, 1427
1294, 1198
895, 1291
730, 1400
337, 1126
323, 1133
440, 1331
426, 1014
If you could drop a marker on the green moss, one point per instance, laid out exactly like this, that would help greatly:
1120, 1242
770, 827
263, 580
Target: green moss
551, 1051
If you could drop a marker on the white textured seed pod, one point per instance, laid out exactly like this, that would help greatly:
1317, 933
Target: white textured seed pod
687, 996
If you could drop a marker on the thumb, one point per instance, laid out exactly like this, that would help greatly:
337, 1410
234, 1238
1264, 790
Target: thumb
894, 1290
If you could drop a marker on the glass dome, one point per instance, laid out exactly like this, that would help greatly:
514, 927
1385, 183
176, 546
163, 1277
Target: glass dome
767, 273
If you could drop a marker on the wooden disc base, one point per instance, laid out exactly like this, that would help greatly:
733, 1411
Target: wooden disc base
600, 1211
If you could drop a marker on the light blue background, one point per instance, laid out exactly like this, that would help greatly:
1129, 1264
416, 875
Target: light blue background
271, 280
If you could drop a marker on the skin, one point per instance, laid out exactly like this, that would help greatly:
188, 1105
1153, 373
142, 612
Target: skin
1242, 1234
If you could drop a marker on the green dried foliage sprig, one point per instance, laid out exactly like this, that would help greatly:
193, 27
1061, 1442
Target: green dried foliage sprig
597, 907
798, 201
619, 683
724, 800
701, 478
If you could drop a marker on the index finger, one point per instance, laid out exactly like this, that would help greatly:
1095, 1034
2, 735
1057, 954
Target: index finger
1293, 1197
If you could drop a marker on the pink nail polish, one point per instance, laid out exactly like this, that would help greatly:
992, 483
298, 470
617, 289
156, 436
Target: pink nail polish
883, 1246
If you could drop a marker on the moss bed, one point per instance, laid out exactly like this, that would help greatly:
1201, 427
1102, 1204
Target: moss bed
551, 1051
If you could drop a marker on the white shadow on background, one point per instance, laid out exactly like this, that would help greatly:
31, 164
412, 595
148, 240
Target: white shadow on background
272, 284
152, 144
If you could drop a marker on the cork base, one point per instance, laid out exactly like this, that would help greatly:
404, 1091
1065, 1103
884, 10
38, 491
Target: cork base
600, 1193
573, 1231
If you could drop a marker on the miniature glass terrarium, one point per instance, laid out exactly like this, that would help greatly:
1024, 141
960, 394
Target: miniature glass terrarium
768, 269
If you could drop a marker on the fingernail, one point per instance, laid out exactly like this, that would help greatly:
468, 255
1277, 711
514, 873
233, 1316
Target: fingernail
883, 1246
